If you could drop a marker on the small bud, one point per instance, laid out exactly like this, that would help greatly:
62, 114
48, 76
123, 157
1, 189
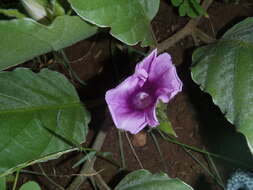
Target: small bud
140, 139
35, 8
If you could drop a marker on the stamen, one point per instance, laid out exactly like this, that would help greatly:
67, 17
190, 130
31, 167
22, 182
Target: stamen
142, 100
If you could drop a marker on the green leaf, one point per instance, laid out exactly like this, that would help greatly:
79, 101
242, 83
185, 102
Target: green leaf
143, 179
12, 13
191, 8
31, 185
196, 7
129, 20
225, 71
165, 125
41, 117
23, 39
183, 8
191, 11
2, 183
176, 3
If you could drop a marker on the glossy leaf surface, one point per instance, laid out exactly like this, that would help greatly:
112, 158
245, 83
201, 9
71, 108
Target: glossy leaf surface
225, 71
129, 20
41, 118
143, 179
23, 39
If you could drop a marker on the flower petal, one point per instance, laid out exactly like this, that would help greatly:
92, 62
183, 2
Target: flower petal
121, 93
147, 62
142, 75
132, 121
150, 116
123, 114
164, 76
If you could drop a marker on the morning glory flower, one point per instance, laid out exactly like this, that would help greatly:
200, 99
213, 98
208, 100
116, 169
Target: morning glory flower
132, 103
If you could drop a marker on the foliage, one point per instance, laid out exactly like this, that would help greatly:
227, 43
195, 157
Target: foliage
224, 69
40, 119
191, 8
31, 185
129, 20
2, 183
64, 31
143, 179
164, 122
41, 114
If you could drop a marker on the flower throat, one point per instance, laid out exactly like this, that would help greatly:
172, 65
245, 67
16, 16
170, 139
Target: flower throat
142, 100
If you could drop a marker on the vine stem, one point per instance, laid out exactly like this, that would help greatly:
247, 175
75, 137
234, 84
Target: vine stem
133, 150
88, 166
159, 151
195, 149
121, 149
190, 29
101, 183
214, 176
16, 181
49, 179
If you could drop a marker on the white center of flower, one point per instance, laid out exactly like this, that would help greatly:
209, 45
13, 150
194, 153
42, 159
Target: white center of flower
142, 100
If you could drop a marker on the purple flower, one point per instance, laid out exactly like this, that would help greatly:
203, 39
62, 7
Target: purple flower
133, 102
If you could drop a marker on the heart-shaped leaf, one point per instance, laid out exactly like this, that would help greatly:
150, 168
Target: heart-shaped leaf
129, 20
225, 70
23, 39
41, 117
143, 179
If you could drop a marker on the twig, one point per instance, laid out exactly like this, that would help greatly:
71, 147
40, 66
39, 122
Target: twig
166, 44
68, 66
85, 55
100, 181
49, 179
195, 149
202, 36
159, 151
16, 181
88, 166
93, 183
60, 176
153, 34
210, 159
205, 5
205, 168
133, 150
189, 29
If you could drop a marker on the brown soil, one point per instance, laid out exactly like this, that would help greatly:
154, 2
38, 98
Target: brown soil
195, 119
